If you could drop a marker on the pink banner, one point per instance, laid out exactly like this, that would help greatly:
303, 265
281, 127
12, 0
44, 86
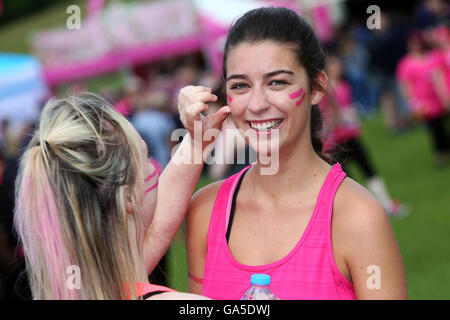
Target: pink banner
94, 6
114, 61
116, 36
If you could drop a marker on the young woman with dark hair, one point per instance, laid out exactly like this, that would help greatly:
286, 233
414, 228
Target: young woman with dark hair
314, 231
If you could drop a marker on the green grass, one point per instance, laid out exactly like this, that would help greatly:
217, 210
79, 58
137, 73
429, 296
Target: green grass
15, 36
405, 161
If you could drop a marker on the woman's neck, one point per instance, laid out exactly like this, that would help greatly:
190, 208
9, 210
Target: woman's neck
138, 256
298, 169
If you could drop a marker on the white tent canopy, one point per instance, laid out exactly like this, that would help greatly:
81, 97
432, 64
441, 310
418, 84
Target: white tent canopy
226, 11
22, 88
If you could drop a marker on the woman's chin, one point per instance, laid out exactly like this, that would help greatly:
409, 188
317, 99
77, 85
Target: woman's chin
265, 148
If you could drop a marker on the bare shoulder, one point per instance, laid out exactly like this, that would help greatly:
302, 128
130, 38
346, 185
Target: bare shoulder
363, 238
199, 211
355, 208
360, 226
202, 201
359, 220
208, 191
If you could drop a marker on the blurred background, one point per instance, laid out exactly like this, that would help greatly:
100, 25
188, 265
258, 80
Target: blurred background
389, 66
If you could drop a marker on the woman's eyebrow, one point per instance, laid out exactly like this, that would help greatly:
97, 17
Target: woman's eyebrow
266, 76
277, 72
237, 76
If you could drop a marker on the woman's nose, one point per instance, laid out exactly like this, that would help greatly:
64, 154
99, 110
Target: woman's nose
258, 102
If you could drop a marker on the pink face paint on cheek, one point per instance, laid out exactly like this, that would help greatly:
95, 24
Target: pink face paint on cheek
296, 94
151, 188
229, 99
148, 179
299, 102
150, 176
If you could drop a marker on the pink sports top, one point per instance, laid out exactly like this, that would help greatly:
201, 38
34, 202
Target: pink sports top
418, 73
308, 271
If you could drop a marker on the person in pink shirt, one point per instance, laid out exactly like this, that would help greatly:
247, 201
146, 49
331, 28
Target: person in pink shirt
421, 76
342, 137
316, 232
347, 125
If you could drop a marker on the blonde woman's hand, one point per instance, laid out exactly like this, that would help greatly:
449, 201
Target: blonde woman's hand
192, 100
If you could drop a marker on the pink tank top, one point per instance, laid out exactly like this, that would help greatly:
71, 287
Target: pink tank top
309, 271
418, 73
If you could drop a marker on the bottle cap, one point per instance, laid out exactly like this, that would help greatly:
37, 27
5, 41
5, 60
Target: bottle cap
260, 279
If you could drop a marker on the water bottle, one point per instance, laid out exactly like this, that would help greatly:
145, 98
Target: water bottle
259, 289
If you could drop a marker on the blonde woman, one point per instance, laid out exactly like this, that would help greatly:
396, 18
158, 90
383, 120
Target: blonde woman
91, 207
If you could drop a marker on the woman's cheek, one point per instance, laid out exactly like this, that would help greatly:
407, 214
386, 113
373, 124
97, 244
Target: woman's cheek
237, 105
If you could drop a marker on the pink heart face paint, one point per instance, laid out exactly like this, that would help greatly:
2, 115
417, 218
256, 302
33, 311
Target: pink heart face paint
300, 95
229, 99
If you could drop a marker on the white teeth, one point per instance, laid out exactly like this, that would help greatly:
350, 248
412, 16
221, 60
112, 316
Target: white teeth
265, 125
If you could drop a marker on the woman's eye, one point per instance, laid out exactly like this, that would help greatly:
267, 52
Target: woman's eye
277, 82
239, 86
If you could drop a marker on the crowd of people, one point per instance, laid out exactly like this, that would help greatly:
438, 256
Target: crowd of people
401, 69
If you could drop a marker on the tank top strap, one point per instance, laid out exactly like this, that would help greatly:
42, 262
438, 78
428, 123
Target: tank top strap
336, 176
333, 181
318, 232
221, 209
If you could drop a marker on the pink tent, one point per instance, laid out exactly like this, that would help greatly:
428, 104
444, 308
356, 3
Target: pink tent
126, 34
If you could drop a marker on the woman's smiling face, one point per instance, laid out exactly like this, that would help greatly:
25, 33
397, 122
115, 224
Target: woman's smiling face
268, 90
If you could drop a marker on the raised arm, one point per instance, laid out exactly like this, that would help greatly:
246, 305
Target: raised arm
197, 224
179, 178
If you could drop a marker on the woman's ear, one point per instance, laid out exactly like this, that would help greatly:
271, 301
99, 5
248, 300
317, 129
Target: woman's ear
128, 200
320, 85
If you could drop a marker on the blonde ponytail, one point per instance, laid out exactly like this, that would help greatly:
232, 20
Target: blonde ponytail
70, 200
